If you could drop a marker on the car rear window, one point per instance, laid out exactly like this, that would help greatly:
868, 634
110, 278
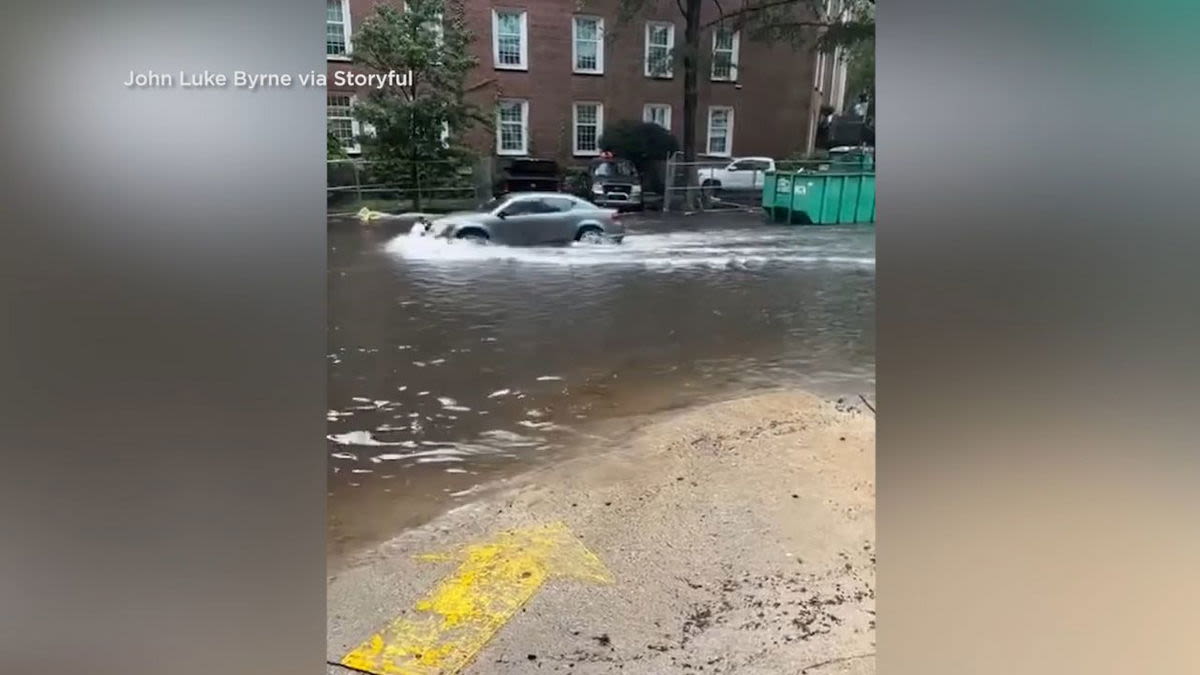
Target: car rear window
558, 204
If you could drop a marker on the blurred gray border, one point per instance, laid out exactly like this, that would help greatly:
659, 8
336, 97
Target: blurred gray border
164, 266
1036, 367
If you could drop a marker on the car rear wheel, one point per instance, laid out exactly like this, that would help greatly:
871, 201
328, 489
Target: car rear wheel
590, 235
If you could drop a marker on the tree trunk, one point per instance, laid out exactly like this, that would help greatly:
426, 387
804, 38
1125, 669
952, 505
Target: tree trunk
414, 172
691, 68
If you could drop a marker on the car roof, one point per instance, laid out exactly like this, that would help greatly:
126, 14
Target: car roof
539, 195
764, 159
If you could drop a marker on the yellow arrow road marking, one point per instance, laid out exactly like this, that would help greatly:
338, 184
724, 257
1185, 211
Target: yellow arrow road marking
494, 580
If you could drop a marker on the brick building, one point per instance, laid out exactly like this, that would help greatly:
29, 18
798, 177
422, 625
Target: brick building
556, 71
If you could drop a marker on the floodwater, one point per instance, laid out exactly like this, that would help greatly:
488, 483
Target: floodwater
452, 365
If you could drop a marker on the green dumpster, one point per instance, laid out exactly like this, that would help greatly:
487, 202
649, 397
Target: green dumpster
835, 193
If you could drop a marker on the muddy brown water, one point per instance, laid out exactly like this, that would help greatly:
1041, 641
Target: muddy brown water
452, 365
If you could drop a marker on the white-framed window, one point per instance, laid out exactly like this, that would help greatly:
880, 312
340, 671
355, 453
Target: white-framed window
587, 44
510, 39
835, 80
658, 113
341, 122
512, 127
588, 124
725, 55
337, 29
660, 45
720, 131
819, 72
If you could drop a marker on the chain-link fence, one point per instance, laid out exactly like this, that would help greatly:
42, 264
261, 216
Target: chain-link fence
712, 184
403, 186
736, 183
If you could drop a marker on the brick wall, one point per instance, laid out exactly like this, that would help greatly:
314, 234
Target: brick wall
772, 99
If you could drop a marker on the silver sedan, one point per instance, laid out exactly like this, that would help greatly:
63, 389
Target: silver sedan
527, 219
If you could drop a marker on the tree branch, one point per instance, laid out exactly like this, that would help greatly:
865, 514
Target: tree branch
750, 9
801, 24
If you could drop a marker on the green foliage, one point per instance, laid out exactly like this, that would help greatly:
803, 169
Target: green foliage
860, 75
639, 142
644, 143
333, 147
578, 182
429, 40
798, 22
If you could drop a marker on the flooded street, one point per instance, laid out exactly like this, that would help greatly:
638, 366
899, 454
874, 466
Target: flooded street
451, 365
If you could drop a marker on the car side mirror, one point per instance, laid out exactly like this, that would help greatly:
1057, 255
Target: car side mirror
502, 215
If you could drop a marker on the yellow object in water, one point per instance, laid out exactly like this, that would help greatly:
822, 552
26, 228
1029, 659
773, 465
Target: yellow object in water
493, 581
366, 215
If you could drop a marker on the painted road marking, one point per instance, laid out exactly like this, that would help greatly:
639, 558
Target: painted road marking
493, 581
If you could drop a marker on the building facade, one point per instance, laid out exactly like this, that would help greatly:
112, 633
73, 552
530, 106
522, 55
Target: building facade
556, 71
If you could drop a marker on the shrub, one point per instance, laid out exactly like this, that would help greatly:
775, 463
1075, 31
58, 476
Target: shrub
645, 144
639, 142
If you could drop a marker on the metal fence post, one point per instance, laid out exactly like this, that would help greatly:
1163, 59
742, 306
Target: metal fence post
668, 183
357, 182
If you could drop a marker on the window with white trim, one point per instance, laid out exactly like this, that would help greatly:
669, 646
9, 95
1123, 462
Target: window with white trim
819, 72
720, 130
837, 88
725, 55
660, 43
587, 44
512, 127
588, 125
658, 113
341, 120
337, 29
510, 39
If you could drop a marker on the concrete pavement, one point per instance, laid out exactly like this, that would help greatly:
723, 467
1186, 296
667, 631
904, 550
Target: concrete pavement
739, 538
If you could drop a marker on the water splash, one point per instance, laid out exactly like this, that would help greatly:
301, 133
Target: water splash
734, 249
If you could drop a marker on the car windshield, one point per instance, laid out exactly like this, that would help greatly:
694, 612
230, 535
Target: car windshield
491, 204
612, 169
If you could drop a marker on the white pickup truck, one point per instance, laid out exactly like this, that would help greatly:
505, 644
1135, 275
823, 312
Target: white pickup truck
743, 173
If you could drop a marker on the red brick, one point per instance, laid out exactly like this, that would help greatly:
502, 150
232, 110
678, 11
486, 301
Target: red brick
773, 100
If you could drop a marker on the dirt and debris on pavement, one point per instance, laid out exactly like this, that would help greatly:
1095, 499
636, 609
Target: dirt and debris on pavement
739, 537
